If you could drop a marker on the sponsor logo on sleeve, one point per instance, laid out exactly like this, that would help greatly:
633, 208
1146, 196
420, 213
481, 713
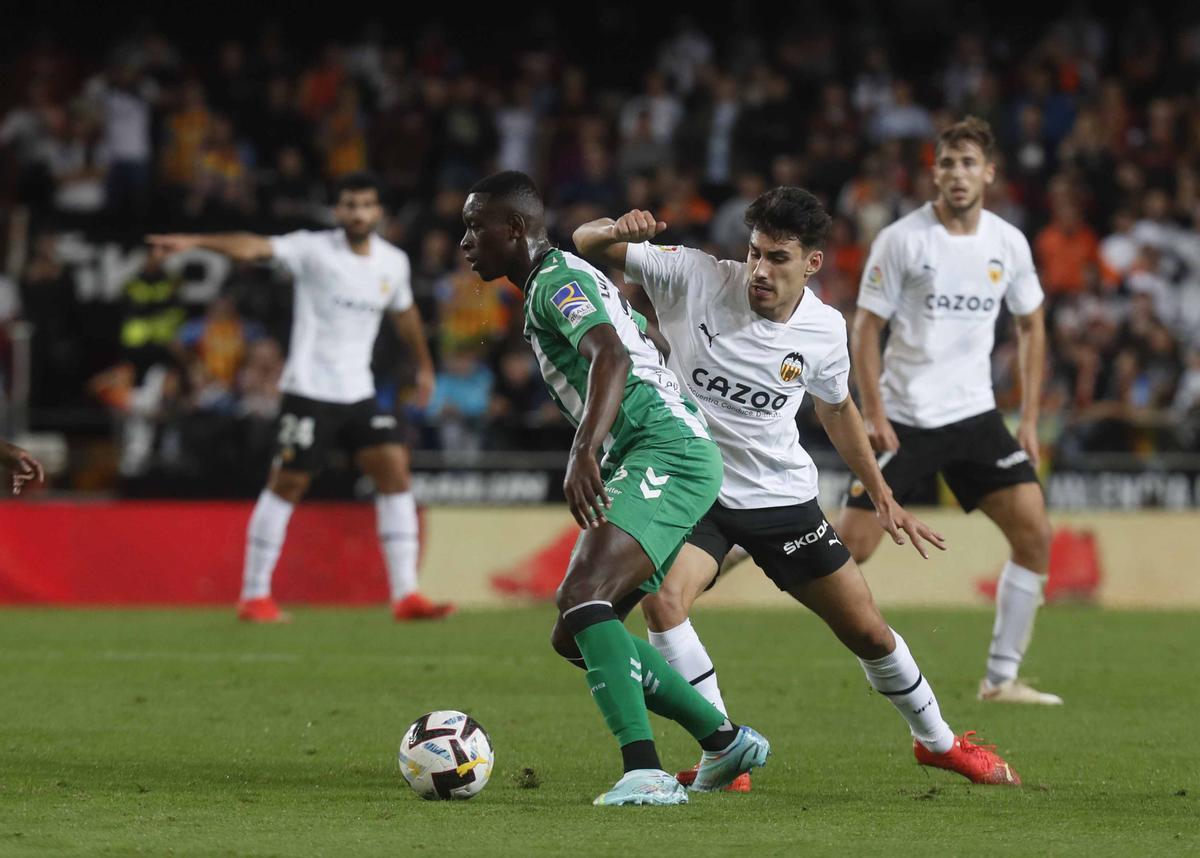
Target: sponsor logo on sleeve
667, 248
875, 276
792, 367
573, 303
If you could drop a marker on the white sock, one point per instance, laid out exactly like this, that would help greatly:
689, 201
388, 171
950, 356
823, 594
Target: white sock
897, 677
264, 541
682, 649
396, 521
1017, 599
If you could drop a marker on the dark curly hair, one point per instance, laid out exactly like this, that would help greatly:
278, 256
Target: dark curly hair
790, 213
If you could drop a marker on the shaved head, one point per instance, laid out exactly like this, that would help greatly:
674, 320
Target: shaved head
505, 226
517, 193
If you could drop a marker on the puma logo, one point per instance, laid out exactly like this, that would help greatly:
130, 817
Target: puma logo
836, 541
711, 337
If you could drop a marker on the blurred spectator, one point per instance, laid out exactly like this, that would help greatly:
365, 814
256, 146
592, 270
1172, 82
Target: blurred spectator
520, 408
123, 98
1064, 249
460, 402
1097, 118
728, 232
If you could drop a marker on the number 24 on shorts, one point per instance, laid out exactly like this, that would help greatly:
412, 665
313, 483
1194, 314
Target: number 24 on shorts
296, 431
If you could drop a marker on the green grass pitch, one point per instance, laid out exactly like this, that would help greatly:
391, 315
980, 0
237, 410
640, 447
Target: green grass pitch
185, 733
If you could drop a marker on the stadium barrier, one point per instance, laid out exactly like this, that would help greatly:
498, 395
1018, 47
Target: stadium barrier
185, 553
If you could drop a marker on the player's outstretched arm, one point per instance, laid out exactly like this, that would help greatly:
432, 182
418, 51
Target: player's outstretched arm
867, 361
610, 365
603, 241
844, 426
239, 246
22, 465
1031, 355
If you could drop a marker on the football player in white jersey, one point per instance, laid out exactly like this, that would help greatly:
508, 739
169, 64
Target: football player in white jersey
748, 339
936, 278
346, 280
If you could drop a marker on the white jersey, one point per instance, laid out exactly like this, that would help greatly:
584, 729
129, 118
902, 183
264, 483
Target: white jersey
942, 293
340, 299
748, 374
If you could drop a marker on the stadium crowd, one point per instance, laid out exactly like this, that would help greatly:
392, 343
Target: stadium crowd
1098, 124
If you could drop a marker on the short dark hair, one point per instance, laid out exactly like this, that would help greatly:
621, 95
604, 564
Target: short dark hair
785, 213
508, 184
516, 189
972, 129
361, 181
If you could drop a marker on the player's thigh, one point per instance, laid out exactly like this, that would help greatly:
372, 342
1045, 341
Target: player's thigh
791, 544
844, 601
607, 565
303, 433
861, 531
986, 459
1020, 513
693, 570
387, 465
377, 444
658, 494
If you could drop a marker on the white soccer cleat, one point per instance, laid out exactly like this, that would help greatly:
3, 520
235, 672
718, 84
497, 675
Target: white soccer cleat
645, 786
1015, 691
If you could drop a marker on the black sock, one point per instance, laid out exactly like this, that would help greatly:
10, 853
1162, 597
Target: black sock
640, 755
721, 738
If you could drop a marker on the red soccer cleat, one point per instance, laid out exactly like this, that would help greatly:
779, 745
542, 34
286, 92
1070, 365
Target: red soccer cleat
739, 784
261, 610
977, 763
416, 606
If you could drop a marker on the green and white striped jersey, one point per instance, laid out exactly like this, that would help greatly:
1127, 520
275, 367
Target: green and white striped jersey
565, 297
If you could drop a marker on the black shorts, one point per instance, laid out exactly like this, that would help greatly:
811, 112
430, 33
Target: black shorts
976, 456
309, 428
792, 544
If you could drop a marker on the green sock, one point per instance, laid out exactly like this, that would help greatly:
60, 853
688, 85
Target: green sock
615, 678
668, 694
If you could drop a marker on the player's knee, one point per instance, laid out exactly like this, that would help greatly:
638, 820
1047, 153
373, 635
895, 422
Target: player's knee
565, 645
870, 640
1031, 545
664, 610
289, 485
860, 545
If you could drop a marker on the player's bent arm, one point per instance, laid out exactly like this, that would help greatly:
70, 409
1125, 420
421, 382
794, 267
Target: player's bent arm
845, 428
239, 246
609, 368
606, 240
867, 361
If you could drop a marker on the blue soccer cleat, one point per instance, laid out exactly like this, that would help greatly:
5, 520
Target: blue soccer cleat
644, 786
748, 751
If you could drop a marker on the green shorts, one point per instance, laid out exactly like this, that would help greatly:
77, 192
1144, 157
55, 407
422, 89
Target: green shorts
658, 495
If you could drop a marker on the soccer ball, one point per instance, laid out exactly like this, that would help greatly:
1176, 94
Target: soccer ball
446, 754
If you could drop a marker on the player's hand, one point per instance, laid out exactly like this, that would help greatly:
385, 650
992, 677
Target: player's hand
898, 521
172, 243
882, 435
637, 226
23, 466
1027, 437
426, 381
584, 489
